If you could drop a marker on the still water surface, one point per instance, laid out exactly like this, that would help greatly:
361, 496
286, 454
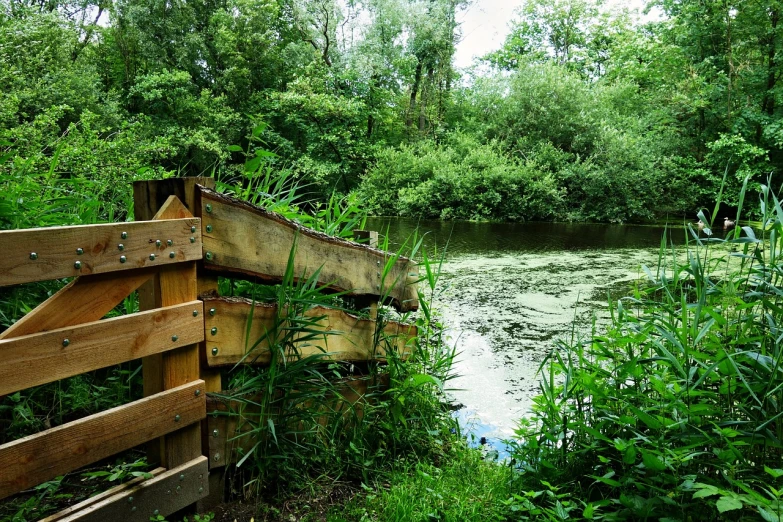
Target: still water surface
512, 290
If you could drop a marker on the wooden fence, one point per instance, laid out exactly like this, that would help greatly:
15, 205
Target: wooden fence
184, 236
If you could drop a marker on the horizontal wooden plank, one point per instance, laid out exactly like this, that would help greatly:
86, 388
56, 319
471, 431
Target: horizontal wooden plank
162, 495
50, 253
84, 299
341, 336
225, 428
37, 458
35, 359
242, 238
67, 513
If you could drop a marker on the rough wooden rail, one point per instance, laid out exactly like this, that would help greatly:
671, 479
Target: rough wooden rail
233, 335
245, 239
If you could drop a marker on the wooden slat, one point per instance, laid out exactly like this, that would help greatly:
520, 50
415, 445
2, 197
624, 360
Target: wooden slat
55, 249
84, 299
67, 513
345, 337
37, 458
163, 495
244, 239
36, 359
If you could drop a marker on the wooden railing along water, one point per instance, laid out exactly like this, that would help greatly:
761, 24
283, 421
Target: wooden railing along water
184, 236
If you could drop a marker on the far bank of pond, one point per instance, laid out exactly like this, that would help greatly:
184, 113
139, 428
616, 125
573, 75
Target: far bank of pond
513, 289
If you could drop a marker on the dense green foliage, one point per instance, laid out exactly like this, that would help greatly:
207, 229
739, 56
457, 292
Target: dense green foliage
672, 413
584, 113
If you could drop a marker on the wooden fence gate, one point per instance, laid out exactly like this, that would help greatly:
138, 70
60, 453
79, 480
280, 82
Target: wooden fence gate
184, 236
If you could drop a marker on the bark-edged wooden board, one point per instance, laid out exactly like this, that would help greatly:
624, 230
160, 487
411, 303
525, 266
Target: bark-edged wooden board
335, 335
241, 238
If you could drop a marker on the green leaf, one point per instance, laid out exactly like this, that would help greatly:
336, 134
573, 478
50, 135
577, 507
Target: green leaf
652, 461
234, 148
728, 504
776, 472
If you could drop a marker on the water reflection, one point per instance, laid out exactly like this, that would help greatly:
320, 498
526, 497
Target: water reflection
492, 239
513, 290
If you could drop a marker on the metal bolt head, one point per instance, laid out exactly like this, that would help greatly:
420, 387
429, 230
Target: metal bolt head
209, 207
169, 242
156, 512
66, 342
174, 338
133, 508
192, 229
182, 477
79, 251
177, 418
197, 393
213, 330
214, 351
130, 499
212, 311
33, 256
152, 257
172, 255
195, 313
209, 228
201, 490
209, 256
215, 433
179, 488
77, 265
217, 457
124, 235
123, 259
121, 247
157, 242
192, 239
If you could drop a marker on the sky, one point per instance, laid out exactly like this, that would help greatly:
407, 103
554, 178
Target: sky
485, 26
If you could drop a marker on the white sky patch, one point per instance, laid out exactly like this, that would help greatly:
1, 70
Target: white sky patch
485, 24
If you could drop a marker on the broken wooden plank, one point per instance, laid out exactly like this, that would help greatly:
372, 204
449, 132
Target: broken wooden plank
162, 495
37, 458
51, 253
244, 239
66, 514
35, 359
335, 335
83, 300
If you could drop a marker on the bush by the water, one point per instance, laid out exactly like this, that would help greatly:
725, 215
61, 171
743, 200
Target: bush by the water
462, 179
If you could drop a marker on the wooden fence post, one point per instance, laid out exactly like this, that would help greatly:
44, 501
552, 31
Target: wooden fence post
161, 372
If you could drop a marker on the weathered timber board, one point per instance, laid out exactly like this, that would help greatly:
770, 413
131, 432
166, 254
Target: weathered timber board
67, 513
229, 432
37, 458
35, 359
344, 337
51, 253
84, 299
162, 495
242, 238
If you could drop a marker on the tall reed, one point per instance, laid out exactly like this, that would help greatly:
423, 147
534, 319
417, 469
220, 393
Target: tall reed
674, 412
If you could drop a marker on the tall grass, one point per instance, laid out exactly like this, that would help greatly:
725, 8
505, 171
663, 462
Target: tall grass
674, 413
300, 419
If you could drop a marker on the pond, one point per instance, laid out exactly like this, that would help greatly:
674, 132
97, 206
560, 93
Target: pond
512, 290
